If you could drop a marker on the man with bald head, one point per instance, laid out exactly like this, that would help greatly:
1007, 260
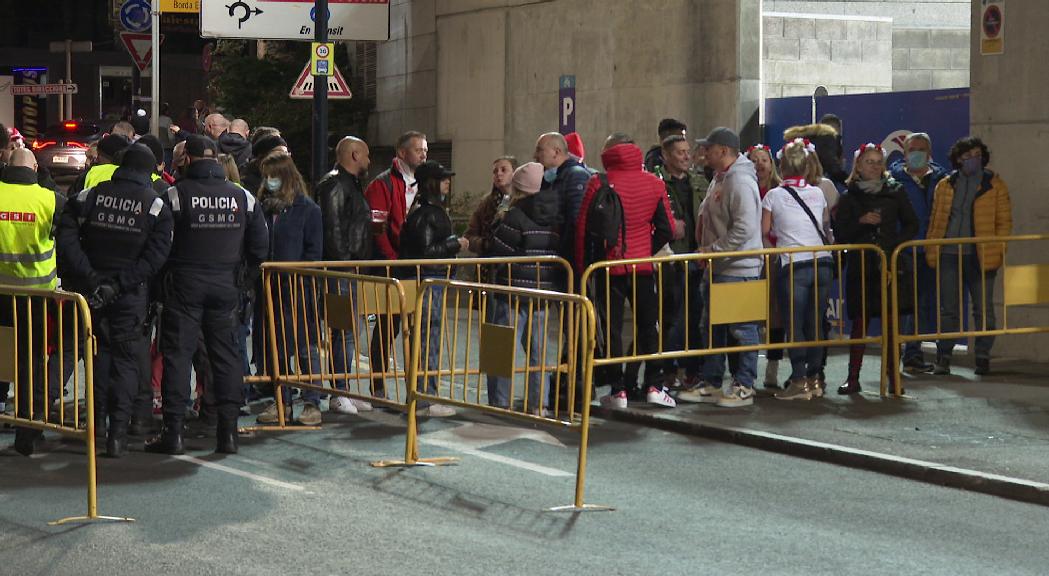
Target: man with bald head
347, 236
240, 126
28, 213
568, 181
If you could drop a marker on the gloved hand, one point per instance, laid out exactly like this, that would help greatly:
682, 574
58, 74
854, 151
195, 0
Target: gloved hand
103, 296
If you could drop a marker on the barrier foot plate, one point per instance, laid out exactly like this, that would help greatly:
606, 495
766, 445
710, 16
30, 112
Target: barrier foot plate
445, 461
583, 508
275, 428
86, 519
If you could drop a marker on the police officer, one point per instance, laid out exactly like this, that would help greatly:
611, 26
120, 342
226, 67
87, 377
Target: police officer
28, 214
109, 149
112, 240
218, 230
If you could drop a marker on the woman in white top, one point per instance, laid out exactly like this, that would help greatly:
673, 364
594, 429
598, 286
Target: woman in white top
804, 278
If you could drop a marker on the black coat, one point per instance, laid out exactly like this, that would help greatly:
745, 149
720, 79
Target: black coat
529, 228
427, 234
346, 217
898, 224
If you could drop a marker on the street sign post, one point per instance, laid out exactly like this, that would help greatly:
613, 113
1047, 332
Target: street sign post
322, 59
566, 105
136, 15
140, 47
295, 19
42, 89
69, 46
185, 6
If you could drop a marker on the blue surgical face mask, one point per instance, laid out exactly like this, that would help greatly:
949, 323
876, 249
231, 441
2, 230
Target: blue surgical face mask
972, 166
917, 160
273, 184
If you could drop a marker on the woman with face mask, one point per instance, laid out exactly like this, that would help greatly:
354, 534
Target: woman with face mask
295, 235
875, 210
972, 201
428, 234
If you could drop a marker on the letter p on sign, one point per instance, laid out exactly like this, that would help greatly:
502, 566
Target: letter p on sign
566, 108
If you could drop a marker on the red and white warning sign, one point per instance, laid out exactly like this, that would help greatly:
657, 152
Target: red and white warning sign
140, 46
338, 89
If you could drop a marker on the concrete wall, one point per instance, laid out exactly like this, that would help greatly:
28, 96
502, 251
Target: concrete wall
905, 13
483, 74
1010, 113
930, 58
848, 55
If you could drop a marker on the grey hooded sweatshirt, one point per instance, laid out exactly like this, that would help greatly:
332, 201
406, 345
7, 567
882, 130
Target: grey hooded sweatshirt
730, 219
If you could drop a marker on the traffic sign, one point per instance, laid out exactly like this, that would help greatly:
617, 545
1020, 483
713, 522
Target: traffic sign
140, 46
322, 58
187, 6
136, 15
992, 27
38, 89
338, 89
293, 19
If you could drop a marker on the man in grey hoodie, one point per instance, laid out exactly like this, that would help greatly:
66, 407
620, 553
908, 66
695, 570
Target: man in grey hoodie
729, 221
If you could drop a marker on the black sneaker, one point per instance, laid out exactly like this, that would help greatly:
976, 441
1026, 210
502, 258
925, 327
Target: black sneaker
916, 365
983, 366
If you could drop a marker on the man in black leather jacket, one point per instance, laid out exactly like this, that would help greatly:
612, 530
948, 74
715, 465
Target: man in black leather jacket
347, 236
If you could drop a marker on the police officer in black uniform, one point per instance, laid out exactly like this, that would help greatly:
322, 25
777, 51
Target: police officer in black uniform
112, 240
219, 230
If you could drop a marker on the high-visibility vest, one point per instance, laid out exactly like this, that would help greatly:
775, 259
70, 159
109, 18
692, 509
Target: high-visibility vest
27, 250
103, 173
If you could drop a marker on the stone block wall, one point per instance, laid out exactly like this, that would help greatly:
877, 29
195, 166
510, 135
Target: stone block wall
930, 58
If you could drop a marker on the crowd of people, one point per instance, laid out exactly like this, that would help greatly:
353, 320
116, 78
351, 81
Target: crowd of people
172, 248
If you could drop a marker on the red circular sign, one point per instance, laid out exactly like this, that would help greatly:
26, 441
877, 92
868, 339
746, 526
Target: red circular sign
992, 21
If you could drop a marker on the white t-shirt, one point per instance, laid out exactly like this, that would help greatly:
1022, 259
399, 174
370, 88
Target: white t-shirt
790, 223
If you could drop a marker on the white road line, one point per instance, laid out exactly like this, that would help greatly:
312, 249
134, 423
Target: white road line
497, 458
242, 474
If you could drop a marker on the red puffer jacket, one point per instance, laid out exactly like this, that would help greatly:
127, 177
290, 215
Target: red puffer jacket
646, 209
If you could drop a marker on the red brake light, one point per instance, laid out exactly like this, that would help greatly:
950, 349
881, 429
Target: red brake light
76, 145
39, 145
69, 125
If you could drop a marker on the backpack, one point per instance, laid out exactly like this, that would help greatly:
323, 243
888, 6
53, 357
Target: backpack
605, 223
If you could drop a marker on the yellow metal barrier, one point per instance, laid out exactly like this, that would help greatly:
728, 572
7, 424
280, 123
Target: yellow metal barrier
1023, 283
730, 302
314, 313
538, 386
43, 334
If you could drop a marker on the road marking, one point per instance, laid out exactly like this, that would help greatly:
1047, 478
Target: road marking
242, 474
538, 468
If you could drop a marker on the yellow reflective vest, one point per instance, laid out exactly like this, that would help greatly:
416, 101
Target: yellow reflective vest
27, 250
103, 173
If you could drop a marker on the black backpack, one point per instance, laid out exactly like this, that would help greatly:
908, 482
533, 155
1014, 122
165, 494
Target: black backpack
605, 223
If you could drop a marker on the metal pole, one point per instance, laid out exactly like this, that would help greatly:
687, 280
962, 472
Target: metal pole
320, 97
69, 78
61, 103
154, 104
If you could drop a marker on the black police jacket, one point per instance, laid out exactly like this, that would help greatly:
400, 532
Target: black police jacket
118, 230
427, 234
218, 225
346, 216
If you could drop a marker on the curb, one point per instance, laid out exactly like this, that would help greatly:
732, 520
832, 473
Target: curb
920, 470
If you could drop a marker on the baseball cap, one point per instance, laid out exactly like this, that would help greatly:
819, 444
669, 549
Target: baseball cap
432, 170
528, 178
199, 146
721, 136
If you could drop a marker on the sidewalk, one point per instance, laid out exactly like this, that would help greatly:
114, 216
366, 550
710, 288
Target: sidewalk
988, 434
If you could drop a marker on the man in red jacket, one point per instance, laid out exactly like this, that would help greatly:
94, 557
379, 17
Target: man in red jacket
392, 192
648, 222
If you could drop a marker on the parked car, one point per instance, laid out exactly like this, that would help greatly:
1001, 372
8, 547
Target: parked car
62, 148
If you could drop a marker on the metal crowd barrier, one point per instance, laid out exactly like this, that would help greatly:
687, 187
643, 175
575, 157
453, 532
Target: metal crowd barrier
729, 302
43, 335
310, 309
527, 358
1023, 284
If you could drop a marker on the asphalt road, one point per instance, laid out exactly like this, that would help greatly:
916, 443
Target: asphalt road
309, 503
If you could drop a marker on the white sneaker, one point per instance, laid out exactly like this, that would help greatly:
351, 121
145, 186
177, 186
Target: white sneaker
737, 396
362, 405
436, 411
617, 401
701, 394
659, 397
342, 405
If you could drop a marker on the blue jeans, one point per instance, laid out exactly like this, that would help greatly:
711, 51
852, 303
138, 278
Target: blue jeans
745, 333
951, 308
343, 341
811, 287
430, 326
532, 342
675, 316
924, 307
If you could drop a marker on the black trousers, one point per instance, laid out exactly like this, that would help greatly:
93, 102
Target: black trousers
383, 337
28, 318
121, 352
201, 301
645, 310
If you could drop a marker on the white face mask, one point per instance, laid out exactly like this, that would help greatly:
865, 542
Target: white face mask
273, 184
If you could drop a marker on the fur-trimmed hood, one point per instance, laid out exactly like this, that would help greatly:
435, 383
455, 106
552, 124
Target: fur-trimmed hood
808, 131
